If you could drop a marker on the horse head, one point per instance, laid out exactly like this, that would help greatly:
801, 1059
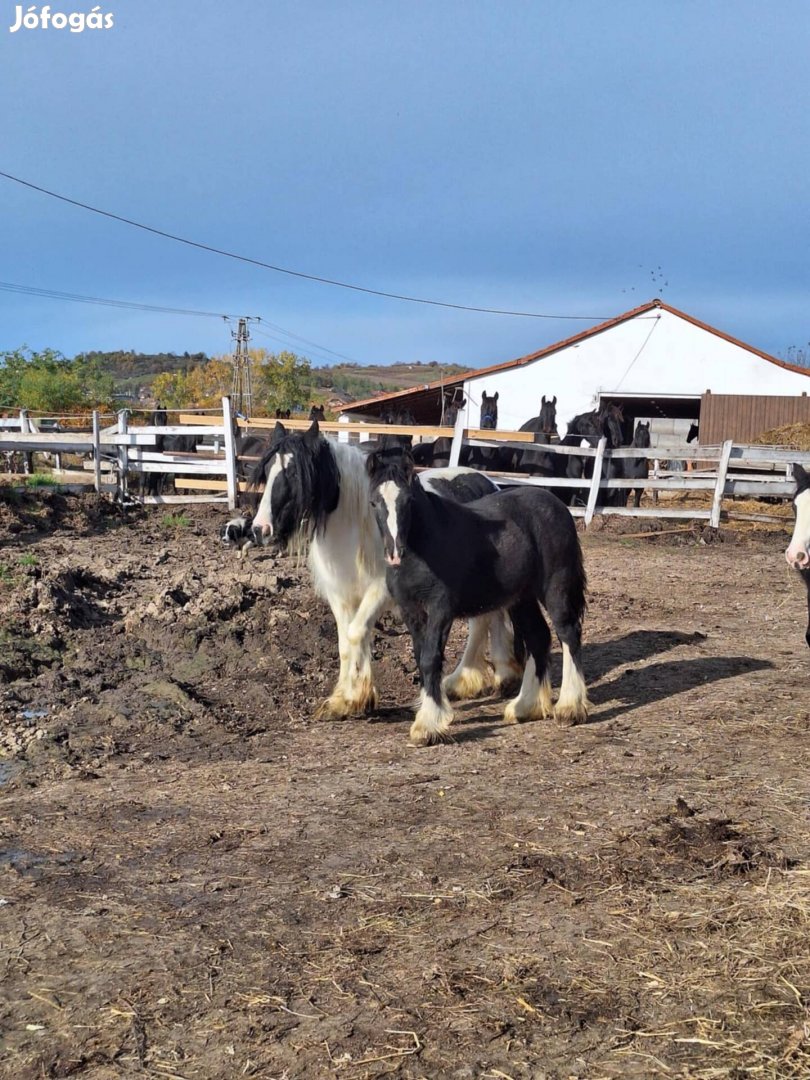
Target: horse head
548, 416
301, 485
392, 475
489, 411
610, 421
694, 433
798, 551
641, 436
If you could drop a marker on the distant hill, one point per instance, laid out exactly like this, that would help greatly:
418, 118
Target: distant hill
134, 372
364, 381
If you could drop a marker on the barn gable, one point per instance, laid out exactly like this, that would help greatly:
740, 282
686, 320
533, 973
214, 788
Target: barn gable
655, 359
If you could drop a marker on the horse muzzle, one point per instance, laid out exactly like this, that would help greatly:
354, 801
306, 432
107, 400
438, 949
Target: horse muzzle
798, 558
262, 534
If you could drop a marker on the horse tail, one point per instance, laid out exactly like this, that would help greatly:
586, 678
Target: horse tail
579, 582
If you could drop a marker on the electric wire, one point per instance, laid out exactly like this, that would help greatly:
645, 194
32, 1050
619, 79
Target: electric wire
296, 273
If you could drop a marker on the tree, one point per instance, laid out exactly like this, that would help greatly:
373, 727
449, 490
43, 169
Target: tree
170, 389
281, 380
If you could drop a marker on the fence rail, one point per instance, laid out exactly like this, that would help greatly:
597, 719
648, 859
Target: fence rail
119, 452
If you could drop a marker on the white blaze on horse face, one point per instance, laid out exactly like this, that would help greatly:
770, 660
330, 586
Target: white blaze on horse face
389, 492
798, 552
263, 519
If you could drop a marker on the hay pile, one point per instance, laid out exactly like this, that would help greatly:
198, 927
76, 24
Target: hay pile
791, 436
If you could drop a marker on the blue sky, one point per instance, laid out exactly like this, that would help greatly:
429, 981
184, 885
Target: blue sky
572, 157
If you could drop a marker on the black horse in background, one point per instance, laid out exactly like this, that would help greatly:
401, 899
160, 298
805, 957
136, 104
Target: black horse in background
489, 411
544, 425
591, 427
637, 468
512, 550
159, 483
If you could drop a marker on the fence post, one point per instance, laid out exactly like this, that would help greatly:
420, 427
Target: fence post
97, 451
123, 455
25, 429
231, 476
720, 485
458, 439
597, 476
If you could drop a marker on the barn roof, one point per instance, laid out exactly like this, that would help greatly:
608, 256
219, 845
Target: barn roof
420, 398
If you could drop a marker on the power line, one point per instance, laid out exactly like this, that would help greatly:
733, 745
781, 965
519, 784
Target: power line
130, 305
296, 273
297, 337
133, 305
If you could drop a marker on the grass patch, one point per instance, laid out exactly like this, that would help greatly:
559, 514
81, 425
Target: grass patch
5, 572
176, 521
28, 559
40, 480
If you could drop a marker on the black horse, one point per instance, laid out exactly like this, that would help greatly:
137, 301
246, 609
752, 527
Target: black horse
512, 550
489, 411
637, 468
798, 551
592, 426
544, 425
157, 483
317, 412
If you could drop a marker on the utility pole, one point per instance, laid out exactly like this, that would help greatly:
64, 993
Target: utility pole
242, 393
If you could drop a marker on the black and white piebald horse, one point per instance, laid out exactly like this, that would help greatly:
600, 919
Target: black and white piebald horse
637, 468
316, 496
798, 551
512, 550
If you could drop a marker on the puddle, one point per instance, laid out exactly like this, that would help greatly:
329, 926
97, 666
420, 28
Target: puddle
33, 714
32, 863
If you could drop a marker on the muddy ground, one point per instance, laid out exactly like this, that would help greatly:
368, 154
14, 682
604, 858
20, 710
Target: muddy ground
199, 881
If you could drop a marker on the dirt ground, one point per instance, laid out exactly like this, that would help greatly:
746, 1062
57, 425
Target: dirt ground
199, 881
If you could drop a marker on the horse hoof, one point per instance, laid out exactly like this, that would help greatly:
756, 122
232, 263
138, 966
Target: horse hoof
570, 717
466, 684
424, 737
510, 715
331, 710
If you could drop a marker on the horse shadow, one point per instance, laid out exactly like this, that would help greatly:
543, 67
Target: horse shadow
633, 688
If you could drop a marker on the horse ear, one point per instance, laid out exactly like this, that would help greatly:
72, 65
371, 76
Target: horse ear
408, 464
372, 461
279, 431
312, 434
496, 396
543, 399
554, 400
799, 472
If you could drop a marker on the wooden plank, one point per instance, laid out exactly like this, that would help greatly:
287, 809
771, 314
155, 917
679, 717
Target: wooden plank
231, 476
722, 469
595, 481
211, 420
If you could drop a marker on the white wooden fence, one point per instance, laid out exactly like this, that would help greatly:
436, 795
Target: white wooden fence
117, 452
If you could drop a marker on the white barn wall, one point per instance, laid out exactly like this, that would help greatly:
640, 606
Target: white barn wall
655, 352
